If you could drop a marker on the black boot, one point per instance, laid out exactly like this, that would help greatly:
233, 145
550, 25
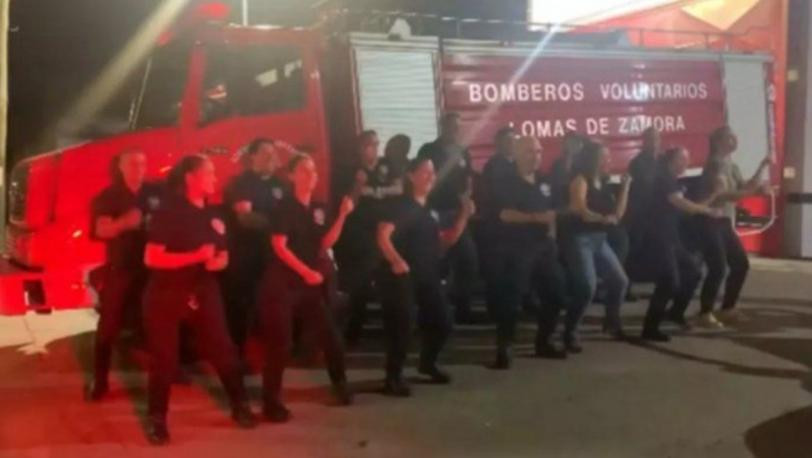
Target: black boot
275, 412
655, 335
572, 345
435, 374
243, 417
503, 359
342, 393
546, 349
96, 391
396, 387
157, 432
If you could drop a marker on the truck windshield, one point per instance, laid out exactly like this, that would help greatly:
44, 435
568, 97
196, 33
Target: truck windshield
162, 88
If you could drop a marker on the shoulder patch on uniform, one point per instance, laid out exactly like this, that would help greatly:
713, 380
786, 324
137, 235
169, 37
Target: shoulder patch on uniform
218, 225
435, 215
277, 193
545, 189
318, 216
154, 202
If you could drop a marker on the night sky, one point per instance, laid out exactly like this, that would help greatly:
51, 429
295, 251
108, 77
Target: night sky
57, 47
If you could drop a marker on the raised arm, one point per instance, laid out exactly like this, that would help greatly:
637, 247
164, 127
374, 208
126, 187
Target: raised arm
107, 227
450, 236
332, 235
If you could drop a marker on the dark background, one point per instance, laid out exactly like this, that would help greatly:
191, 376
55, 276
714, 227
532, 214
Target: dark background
57, 47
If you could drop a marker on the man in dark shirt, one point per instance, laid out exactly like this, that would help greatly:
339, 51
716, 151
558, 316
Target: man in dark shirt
356, 252
118, 216
643, 170
530, 263
491, 190
251, 199
454, 184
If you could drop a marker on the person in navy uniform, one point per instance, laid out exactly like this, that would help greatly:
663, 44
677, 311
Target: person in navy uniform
675, 271
491, 188
356, 253
118, 215
186, 248
293, 286
251, 199
412, 241
452, 164
530, 261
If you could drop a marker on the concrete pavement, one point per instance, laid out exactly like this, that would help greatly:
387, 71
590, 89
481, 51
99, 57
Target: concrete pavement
738, 393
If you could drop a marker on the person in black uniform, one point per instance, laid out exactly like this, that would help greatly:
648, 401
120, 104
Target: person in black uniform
675, 271
396, 156
588, 253
643, 169
293, 286
250, 199
490, 192
118, 216
357, 255
454, 180
412, 242
530, 260
186, 247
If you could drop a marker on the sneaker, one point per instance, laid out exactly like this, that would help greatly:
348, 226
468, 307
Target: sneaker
276, 412
157, 432
435, 375
342, 394
730, 316
243, 417
572, 345
708, 321
396, 388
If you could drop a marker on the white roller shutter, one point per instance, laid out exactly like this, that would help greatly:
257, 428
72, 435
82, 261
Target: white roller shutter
397, 95
746, 97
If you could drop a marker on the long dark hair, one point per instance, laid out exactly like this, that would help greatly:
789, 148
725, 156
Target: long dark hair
176, 180
398, 143
713, 163
588, 161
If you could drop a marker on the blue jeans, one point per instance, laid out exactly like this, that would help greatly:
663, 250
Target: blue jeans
589, 257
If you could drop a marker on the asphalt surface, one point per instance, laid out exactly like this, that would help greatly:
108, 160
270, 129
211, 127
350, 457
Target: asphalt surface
737, 393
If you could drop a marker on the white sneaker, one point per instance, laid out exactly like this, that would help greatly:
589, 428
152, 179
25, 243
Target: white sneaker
708, 321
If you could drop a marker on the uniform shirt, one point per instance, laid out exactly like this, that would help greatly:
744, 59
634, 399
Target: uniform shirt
304, 226
598, 200
182, 227
642, 169
127, 249
416, 237
378, 187
453, 167
664, 217
526, 197
265, 194
495, 176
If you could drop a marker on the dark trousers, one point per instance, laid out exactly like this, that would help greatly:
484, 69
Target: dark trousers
284, 298
197, 305
119, 298
725, 257
530, 269
676, 274
240, 282
356, 278
400, 294
461, 265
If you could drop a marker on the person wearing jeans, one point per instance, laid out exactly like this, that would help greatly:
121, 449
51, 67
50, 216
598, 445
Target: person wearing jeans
718, 241
588, 253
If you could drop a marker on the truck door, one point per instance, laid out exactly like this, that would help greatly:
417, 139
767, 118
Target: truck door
256, 89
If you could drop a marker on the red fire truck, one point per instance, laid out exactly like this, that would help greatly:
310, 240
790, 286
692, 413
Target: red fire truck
214, 87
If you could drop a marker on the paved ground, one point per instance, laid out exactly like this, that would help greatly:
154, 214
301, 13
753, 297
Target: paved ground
739, 393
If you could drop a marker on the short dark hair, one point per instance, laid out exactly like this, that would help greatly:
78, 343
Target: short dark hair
399, 142
415, 163
502, 133
296, 159
176, 180
115, 163
257, 143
